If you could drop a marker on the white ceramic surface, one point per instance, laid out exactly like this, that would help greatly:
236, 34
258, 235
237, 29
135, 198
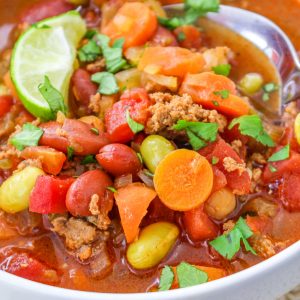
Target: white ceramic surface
265, 281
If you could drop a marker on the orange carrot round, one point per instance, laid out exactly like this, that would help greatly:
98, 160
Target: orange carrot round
214, 92
183, 180
133, 201
134, 21
170, 61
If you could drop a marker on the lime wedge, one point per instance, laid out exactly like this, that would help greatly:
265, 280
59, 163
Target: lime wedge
46, 48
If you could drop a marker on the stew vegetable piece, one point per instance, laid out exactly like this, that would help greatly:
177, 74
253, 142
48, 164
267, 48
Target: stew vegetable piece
150, 167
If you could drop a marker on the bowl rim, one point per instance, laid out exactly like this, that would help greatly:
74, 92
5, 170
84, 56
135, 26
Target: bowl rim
232, 280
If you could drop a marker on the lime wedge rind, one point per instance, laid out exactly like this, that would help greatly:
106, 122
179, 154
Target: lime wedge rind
46, 50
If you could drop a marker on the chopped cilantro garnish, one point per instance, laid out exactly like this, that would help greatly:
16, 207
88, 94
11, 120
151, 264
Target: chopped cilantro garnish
193, 10
282, 154
222, 69
268, 89
95, 130
229, 244
89, 52
252, 126
189, 275
215, 103
70, 152
90, 34
224, 94
113, 55
134, 126
53, 97
166, 278
89, 159
272, 169
111, 189
181, 36
29, 136
214, 160
107, 81
198, 132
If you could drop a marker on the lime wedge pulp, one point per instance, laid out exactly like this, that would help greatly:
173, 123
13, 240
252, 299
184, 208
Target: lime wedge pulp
46, 48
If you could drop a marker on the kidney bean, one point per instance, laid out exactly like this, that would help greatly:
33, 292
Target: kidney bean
45, 9
90, 183
119, 159
83, 87
73, 133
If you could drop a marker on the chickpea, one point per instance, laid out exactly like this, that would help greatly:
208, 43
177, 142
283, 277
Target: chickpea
154, 243
220, 204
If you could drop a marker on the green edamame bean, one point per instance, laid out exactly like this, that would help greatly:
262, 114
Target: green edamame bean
154, 243
153, 149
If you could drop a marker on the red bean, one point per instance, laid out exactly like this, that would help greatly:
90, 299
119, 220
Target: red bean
45, 9
81, 191
83, 87
163, 37
73, 133
119, 159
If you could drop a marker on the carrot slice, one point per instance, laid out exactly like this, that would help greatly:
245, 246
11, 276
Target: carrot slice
134, 21
212, 273
183, 180
133, 201
202, 88
170, 61
51, 159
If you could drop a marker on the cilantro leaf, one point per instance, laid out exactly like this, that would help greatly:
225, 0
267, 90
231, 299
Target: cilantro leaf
113, 55
89, 52
181, 36
214, 160
95, 131
193, 10
222, 69
134, 126
229, 244
166, 278
282, 154
268, 89
272, 169
107, 81
29, 136
224, 94
53, 97
251, 125
198, 132
70, 152
89, 159
111, 189
189, 275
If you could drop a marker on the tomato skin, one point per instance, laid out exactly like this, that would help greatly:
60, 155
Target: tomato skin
239, 183
192, 36
289, 191
119, 159
137, 102
51, 159
220, 180
198, 225
49, 195
75, 133
45, 9
291, 165
22, 265
163, 37
86, 185
83, 87
6, 102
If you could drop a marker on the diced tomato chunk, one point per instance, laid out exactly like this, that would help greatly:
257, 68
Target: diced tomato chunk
21, 264
6, 102
257, 224
282, 167
220, 180
290, 138
189, 36
136, 101
239, 183
163, 37
198, 225
49, 195
289, 192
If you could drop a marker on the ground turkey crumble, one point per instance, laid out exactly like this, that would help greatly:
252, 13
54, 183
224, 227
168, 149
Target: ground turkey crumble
168, 109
